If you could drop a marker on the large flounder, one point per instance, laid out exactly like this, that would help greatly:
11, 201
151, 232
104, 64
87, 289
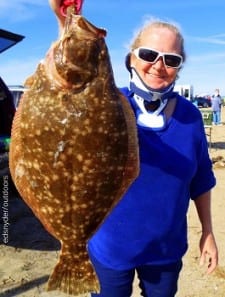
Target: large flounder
74, 148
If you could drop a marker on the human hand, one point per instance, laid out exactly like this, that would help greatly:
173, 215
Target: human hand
209, 252
55, 6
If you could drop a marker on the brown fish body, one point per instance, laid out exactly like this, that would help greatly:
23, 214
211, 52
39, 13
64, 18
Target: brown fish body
74, 148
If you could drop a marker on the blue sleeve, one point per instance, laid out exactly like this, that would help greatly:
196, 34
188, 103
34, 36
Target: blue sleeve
204, 179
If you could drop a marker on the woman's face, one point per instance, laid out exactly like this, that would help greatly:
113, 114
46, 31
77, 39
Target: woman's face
157, 75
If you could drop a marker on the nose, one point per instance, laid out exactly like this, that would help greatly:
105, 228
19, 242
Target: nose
159, 63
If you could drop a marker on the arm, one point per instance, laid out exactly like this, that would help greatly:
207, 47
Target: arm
55, 6
208, 246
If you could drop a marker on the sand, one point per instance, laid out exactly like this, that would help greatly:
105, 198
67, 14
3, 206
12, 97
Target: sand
28, 253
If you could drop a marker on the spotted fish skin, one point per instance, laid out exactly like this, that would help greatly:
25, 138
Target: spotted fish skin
74, 148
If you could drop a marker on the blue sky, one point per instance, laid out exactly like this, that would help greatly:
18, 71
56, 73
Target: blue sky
202, 24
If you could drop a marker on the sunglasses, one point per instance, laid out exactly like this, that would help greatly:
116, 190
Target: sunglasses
151, 56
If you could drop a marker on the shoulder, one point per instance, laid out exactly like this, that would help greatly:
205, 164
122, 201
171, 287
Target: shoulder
126, 92
128, 95
187, 106
187, 113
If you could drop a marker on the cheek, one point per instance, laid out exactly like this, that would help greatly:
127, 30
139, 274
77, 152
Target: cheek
171, 74
141, 67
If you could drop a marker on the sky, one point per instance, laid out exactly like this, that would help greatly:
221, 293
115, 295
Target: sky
202, 24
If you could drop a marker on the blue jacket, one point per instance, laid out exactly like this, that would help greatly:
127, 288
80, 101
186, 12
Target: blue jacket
149, 224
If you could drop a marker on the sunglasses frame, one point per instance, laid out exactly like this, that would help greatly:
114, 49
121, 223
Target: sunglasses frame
136, 52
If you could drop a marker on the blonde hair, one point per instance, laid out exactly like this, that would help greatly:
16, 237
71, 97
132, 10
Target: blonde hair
152, 24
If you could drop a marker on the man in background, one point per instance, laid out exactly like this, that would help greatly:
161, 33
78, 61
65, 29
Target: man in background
216, 107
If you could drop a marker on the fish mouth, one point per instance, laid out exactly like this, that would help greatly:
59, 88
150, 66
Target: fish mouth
78, 21
87, 26
75, 57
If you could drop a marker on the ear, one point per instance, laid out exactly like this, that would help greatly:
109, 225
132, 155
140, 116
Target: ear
127, 62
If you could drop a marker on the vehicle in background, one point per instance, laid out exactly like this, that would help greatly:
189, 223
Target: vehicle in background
17, 92
203, 102
9, 100
7, 111
7, 106
186, 91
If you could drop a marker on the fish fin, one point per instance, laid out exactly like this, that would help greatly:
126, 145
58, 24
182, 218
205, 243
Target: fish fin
74, 276
18, 170
15, 140
16, 154
132, 168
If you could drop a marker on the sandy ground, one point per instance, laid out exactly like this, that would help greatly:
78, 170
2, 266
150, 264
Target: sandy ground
28, 253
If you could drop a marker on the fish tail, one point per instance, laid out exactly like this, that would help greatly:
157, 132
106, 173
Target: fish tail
74, 276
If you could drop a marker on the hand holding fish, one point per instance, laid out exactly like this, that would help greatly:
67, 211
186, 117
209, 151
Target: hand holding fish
55, 6
60, 7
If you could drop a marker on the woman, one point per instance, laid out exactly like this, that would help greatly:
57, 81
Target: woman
147, 231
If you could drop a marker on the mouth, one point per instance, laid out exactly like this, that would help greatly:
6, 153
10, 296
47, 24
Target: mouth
155, 80
90, 28
155, 75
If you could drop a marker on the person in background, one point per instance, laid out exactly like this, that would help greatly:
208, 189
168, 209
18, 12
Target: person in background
146, 232
216, 107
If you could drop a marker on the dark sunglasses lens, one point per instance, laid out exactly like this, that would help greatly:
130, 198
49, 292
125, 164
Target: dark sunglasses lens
172, 61
147, 55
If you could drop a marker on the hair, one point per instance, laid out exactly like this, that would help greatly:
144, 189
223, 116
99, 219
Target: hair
152, 24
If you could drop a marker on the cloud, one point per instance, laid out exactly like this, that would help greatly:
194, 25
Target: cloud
216, 39
20, 10
201, 72
211, 58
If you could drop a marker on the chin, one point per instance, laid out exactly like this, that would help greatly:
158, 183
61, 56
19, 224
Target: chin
157, 86
155, 83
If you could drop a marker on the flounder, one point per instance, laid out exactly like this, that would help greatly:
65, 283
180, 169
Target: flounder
74, 148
